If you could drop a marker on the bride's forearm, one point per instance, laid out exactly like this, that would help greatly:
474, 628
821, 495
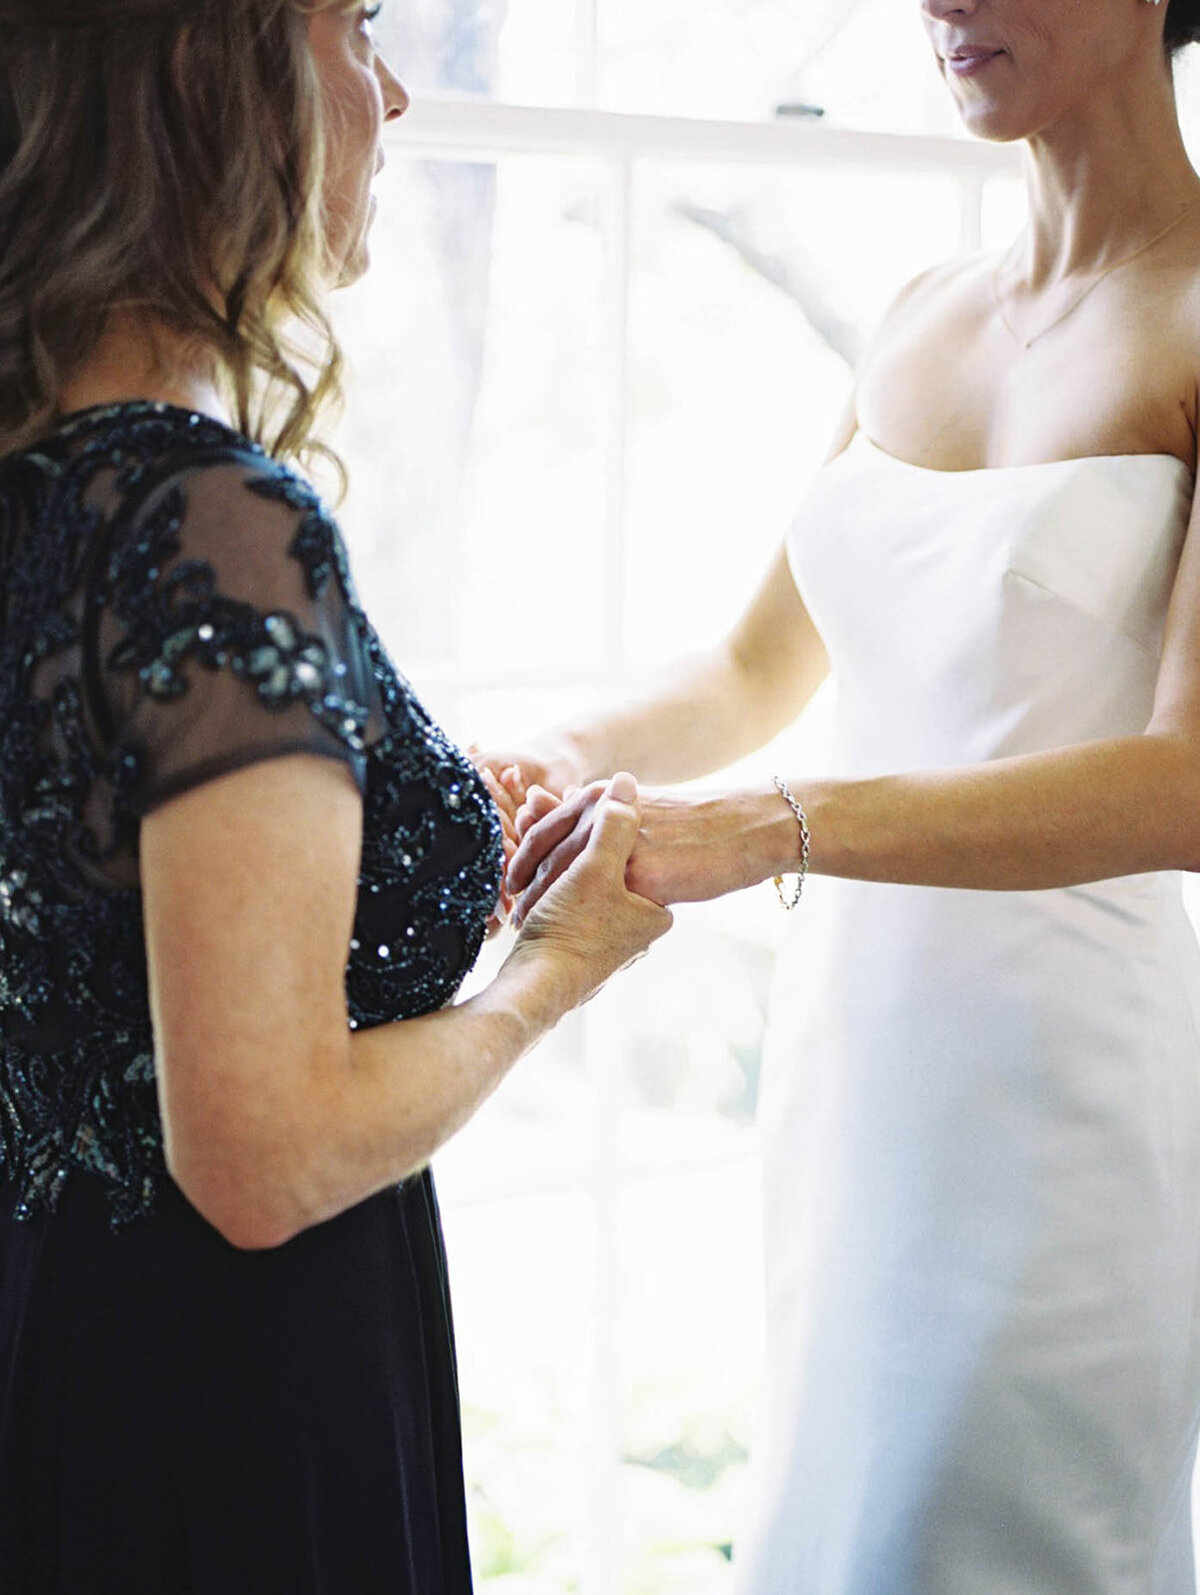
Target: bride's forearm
1123, 806
707, 713
1090, 812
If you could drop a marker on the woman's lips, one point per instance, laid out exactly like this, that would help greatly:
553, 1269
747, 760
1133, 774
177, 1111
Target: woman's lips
970, 63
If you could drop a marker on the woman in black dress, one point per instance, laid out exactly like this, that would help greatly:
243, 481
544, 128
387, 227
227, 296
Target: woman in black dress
242, 873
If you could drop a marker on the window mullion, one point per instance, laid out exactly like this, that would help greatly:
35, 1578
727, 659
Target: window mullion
587, 60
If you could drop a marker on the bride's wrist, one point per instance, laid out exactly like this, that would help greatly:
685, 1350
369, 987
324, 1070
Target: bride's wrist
778, 839
758, 834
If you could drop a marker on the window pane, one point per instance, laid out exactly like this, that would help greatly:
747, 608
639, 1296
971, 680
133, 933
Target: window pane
1187, 90
1004, 211
752, 292
866, 63
520, 50
690, 1276
690, 1332
474, 413
525, 1315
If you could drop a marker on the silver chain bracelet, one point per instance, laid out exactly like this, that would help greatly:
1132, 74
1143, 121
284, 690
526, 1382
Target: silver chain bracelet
785, 792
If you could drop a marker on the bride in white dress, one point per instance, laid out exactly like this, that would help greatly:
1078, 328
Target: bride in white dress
981, 1100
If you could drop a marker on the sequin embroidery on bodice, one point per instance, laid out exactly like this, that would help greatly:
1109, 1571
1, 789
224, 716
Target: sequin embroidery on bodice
177, 605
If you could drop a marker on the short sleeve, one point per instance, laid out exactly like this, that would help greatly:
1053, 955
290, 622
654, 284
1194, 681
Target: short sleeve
226, 631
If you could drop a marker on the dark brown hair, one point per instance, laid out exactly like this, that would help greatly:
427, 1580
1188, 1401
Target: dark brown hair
1183, 24
164, 158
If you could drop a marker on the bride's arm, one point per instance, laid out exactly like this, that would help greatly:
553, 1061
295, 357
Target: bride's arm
706, 713
1088, 812
717, 706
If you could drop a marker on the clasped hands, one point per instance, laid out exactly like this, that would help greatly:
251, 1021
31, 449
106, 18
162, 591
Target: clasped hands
688, 847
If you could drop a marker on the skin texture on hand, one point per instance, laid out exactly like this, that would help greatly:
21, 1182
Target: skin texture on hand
690, 847
587, 911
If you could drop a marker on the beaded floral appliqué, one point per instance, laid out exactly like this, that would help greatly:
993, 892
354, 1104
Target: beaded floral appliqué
181, 617
77, 1083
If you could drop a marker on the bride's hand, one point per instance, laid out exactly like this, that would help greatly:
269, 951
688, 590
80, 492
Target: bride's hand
690, 847
518, 773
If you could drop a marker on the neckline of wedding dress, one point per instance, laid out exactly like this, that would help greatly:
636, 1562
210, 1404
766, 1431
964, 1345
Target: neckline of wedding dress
991, 470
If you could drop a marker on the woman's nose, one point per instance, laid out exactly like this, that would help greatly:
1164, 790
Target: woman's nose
395, 95
943, 10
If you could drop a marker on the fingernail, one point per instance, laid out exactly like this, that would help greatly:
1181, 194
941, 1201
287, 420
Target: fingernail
623, 787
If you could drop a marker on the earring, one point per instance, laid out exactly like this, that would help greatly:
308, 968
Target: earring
1154, 2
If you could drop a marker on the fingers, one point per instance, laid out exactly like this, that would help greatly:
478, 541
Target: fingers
618, 815
506, 898
608, 841
538, 803
552, 868
510, 772
616, 833
542, 832
504, 799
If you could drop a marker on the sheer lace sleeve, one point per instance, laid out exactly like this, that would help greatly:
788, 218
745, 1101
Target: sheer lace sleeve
225, 631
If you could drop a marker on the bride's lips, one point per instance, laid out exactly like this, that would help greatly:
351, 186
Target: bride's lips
969, 63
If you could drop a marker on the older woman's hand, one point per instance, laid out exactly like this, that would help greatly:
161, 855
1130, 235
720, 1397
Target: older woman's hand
587, 917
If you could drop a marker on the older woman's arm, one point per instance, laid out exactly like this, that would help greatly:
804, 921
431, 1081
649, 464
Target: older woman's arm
275, 1115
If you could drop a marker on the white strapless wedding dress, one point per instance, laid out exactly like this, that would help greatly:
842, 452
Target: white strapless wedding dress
981, 1110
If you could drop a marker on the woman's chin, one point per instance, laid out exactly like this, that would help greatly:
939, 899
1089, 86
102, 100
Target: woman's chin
355, 265
349, 248
356, 268
995, 123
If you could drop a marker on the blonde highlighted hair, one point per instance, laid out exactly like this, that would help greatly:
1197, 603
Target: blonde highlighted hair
164, 159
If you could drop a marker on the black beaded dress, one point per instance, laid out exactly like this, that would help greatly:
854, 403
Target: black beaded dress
178, 1417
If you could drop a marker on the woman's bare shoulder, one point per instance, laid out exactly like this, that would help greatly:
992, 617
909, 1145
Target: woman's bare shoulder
942, 288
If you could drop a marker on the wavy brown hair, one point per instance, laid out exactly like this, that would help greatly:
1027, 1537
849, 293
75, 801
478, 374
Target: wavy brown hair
164, 159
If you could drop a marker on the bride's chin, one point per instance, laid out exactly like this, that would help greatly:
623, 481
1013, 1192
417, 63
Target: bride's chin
992, 123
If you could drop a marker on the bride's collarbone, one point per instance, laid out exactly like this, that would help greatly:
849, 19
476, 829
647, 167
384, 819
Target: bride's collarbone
969, 414
947, 386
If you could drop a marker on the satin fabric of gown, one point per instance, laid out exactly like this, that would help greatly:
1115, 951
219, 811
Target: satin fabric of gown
981, 1110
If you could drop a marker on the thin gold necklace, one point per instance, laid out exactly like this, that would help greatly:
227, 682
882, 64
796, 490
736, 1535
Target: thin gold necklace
1142, 249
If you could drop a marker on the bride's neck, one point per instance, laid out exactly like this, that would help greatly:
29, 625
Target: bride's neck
1104, 181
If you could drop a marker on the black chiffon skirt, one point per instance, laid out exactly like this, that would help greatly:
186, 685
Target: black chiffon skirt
181, 1418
